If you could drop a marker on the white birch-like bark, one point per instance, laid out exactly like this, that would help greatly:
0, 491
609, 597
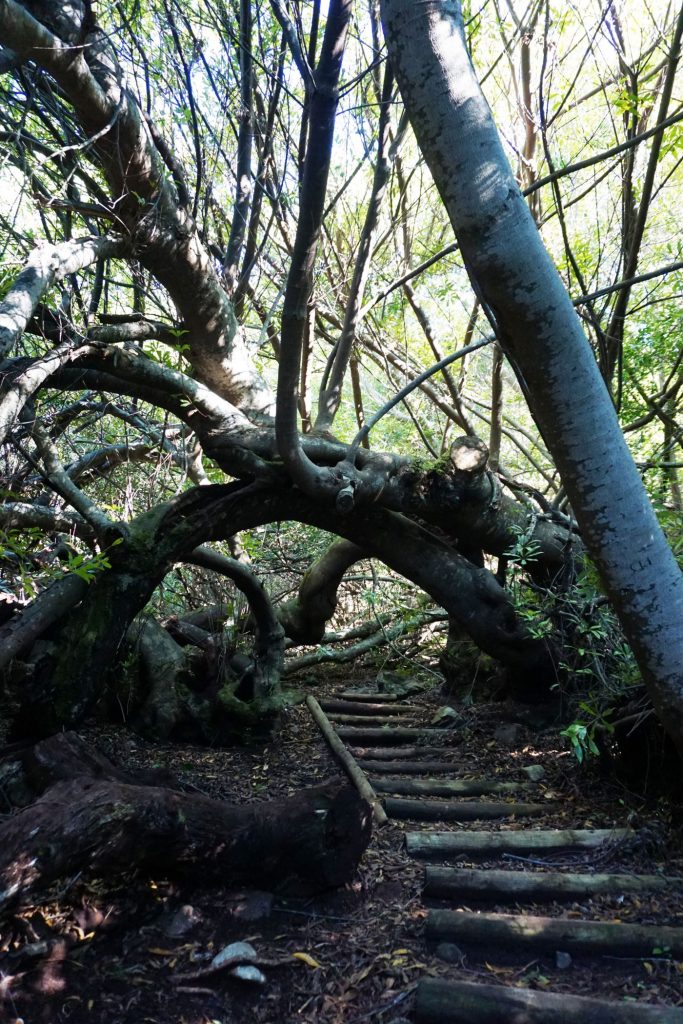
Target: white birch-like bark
542, 337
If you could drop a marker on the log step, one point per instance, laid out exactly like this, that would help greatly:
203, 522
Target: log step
449, 787
357, 707
408, 767
391, 736
457, 810
515, 886
370, 698
549, 934
462, 1002
393, 753
364, 721
442, 845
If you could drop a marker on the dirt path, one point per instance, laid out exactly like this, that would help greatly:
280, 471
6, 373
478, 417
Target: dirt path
136, 950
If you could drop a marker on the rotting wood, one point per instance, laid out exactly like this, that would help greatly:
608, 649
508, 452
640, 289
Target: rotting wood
407, 767
440, 845
347, 762
458, 810
90, 815
445, 1002
393, 736
495, 886
357, 707
449, 787
547, 934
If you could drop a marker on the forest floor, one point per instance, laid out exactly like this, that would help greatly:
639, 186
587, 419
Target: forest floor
120, 950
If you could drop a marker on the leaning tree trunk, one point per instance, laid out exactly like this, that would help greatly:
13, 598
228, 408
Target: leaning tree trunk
541, 335
91, 815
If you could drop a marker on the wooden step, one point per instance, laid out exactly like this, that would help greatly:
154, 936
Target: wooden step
367, 721
462, 1002
393, 736
370, 698
457, 810
357, 707
442, 845
394, 753
448, 787
549, 934
490, 886
408, 767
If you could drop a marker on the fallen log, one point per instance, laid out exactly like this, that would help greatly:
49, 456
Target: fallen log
494, 886
441, 845
548, 934
448, 1002
107, 825
458, 810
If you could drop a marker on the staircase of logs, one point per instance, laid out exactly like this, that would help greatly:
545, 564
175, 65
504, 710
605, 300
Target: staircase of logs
406, 772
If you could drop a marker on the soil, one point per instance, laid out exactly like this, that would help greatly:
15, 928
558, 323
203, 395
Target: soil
133, 949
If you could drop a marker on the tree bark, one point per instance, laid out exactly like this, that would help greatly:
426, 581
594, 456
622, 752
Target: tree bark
437, 1001
541, 335
91, 815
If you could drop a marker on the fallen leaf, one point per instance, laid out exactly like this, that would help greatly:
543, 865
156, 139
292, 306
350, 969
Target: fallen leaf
306, 959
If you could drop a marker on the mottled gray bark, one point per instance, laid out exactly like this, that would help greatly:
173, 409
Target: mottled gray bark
46, 264
149, 205
542, 337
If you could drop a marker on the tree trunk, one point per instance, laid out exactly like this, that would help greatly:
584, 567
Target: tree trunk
90, 814
541, 336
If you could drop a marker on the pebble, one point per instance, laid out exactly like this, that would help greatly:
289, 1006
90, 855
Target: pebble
534, 772
562, 960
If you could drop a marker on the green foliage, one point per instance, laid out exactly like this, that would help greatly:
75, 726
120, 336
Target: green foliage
581, 740
87, 568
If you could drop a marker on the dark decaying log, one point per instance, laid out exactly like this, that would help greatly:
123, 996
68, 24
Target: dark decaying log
97, 822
